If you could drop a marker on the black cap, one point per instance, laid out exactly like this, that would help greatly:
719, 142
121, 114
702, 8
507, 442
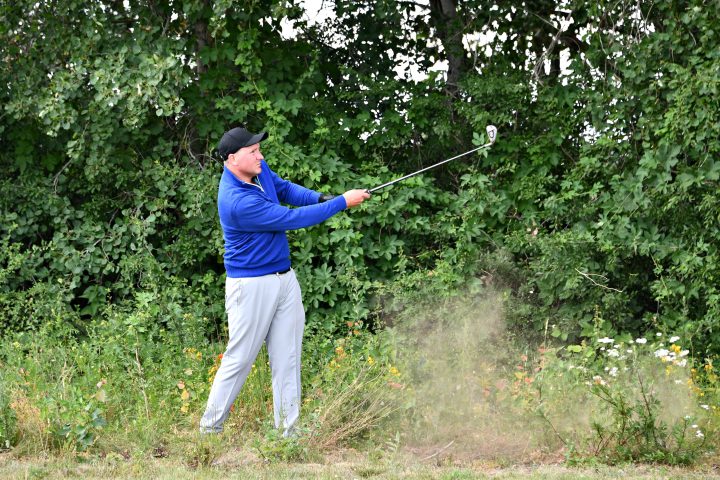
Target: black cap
237, 138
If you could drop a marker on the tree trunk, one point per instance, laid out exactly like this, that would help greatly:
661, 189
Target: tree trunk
449, 28
202, 38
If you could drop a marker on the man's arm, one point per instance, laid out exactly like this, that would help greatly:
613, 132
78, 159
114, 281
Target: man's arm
292, 193
255, 214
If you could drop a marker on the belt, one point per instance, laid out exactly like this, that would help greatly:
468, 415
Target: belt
283, 272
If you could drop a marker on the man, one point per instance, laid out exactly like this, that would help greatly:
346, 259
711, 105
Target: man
262, 294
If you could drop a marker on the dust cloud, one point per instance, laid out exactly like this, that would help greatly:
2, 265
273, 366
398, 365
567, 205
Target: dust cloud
460, 363
478, 391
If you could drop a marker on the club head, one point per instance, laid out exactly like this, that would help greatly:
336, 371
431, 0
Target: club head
491, 131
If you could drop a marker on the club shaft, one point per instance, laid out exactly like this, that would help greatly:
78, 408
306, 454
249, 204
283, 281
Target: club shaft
380, 187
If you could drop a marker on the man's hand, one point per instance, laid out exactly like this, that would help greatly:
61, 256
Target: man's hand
353, 198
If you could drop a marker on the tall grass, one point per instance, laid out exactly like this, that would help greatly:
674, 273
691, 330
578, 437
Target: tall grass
448, 377
131, 386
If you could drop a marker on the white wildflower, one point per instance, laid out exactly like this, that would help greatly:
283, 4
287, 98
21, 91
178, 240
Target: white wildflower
681, 363
629, 350
661, 353
674, 339
641, 340
706, 407
699, 434
658, 334
613, 353
613, 372
687, 417
678, 382
606, 340
684, 353
693, 426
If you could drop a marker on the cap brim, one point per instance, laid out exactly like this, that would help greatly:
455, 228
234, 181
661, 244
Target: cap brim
256, 139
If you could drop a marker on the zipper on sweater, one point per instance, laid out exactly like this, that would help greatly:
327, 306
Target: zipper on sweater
258, 184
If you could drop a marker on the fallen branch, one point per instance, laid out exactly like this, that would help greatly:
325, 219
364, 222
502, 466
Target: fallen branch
589, 277
439, 451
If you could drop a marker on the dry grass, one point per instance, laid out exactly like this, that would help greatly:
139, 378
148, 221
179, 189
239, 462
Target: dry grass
33, 431
348, 412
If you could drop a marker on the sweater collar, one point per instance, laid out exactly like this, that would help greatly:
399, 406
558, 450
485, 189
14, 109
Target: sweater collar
230, 177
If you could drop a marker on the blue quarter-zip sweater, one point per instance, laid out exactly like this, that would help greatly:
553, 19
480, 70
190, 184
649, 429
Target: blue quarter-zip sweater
254, 222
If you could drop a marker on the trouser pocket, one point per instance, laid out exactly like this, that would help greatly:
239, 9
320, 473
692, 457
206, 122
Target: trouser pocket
233, 287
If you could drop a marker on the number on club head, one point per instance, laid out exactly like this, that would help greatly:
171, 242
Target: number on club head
491, 131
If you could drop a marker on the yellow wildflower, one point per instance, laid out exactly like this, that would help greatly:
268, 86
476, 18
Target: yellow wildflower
193, 353
394, 372
370, 360
340, 352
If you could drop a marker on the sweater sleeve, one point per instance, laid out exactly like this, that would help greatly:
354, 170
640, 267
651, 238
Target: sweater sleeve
255, 214
292, 193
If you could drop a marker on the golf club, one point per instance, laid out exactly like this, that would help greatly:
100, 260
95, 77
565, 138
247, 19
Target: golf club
491, 131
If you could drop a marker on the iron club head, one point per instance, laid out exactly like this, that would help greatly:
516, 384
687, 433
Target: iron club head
491, 131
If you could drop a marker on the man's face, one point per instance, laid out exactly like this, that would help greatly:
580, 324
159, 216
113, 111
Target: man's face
246, 161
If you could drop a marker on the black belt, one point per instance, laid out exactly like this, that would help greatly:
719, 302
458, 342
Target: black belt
283, 272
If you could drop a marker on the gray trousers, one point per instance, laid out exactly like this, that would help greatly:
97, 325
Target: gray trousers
267, 308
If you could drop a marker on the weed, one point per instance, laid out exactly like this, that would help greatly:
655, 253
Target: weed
8, 419
353, 394
274, 447
638, 398
33, 436
203, 450
81, 426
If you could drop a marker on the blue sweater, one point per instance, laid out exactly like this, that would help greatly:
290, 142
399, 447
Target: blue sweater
254, 222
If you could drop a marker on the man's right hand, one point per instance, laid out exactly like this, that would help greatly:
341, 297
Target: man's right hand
353, 198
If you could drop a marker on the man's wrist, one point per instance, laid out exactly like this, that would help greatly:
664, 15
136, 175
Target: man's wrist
324, 197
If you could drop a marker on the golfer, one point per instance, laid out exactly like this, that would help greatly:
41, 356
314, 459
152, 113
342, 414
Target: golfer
262, 295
